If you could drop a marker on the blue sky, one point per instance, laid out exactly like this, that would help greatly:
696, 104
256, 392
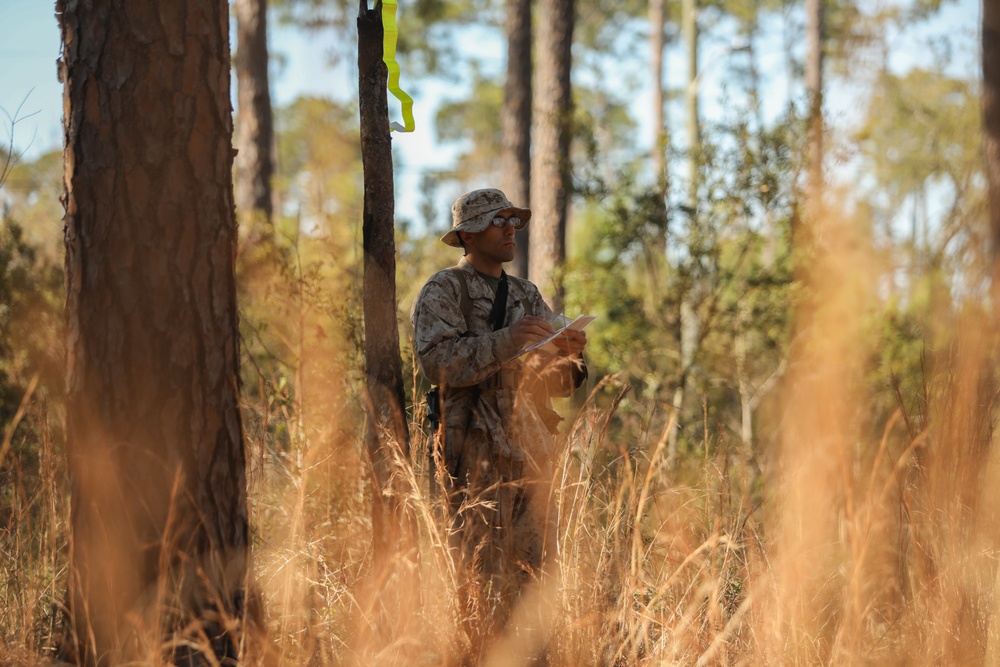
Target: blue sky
29, 47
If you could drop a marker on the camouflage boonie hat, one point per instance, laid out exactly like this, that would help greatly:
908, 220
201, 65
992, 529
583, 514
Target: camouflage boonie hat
472, 213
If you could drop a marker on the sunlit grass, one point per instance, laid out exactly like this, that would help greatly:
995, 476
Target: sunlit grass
856, 541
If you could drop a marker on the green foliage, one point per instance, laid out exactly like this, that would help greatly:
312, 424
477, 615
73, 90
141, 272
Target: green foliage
31, 295
920, 141
428, 29
622, 338
318, 175
921, 126
638, 262
426, 42
603, 131
604, 135
300, 313
899, 376
32, 470
474, 121
32, 195
605, 26
925, 9
749, 13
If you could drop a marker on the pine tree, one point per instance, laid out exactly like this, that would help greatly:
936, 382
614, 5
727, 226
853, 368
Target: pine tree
159, 529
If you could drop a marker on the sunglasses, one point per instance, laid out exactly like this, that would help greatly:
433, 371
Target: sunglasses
502, 221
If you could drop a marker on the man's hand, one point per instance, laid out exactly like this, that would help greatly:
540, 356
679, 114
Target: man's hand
570, 342
529, 330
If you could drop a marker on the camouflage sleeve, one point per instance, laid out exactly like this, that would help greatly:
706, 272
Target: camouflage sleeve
538, 305
446, 351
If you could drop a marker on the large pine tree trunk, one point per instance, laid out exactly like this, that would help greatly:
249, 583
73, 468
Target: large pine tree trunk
515, 120
387, 433
551, 184
254, 121
159, 528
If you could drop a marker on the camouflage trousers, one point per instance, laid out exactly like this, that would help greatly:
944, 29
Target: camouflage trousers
503, 530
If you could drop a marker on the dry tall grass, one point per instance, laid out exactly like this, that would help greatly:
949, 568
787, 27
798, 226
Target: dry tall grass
862, 544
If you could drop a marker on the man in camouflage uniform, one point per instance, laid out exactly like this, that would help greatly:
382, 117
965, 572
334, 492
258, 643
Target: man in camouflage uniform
495, 457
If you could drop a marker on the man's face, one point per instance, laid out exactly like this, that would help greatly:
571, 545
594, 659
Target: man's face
493, 244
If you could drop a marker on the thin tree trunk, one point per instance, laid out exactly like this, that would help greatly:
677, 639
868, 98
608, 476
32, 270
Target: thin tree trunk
753, 74
656, 253
807, 208
388, 434
743, 375
551, 184
749, 397
991, 127
690, 326
689, 26
790, 39
254, 122
657, 41
515, 121
159, 540
814, 89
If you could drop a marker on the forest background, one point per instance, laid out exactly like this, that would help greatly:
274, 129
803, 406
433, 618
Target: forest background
720, 502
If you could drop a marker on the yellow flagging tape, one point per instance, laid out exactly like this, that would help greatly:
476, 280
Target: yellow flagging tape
389, 56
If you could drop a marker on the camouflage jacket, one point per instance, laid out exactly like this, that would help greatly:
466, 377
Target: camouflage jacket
489, 395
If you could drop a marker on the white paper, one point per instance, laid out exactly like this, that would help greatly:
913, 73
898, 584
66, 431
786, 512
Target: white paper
546, 345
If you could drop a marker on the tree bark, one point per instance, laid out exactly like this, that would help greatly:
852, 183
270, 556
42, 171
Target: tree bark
991, 125
254, 119
991, 160
159, 528
551, 184
689, 325
515, 121
689, 27
814, 90
657, 41
387, 433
